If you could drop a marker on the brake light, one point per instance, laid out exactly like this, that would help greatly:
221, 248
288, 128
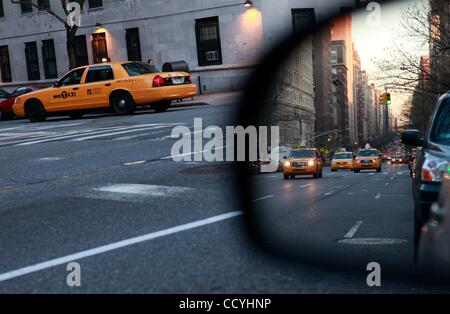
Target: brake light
426, 175
189, 79
159, 81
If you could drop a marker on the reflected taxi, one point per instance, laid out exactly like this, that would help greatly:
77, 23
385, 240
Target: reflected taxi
342, 160
303, 162
367, 159
119, 86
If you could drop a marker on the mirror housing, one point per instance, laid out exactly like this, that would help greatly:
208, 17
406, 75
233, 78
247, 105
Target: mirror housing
412, 138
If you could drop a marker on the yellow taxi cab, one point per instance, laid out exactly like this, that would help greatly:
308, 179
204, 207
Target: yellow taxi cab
342, 160
305, 161
120, 86
367, 159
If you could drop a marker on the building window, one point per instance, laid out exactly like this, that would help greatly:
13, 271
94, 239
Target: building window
2, 12
5, 65
31, 56
26, 7
303, 19
133, 45
93, 4
49, 58
99, 47
208, 41
81, 53
43, 4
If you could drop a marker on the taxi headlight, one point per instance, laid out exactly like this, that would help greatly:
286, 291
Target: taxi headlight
433, 167
287, 163
311, 163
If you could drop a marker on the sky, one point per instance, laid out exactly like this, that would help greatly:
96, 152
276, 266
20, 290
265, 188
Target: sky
372, 42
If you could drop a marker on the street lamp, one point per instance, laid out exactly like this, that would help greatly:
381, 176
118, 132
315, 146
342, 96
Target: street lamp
248, 3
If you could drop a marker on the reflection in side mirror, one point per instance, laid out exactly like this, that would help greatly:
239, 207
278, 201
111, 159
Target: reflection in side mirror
412, 138
334, 215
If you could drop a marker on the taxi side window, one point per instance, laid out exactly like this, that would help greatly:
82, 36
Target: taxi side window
99, 74
72, 78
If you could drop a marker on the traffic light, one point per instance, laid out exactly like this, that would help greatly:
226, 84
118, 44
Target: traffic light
383, 99
388, 98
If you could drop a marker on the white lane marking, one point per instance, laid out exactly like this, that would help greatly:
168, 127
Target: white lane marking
386, 184
371, 174
351, 193
263, 198
193, 153
400, 173
329, 193
353, 230
385, 173
50, 159
120, 132
392, 178
377, 197
135, 163
306, 185
116, 245
144, 189
364, 190
78, 133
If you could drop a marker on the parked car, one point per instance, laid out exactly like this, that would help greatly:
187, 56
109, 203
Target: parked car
434, 246
433, 154
119, 86
6, 105
3, 94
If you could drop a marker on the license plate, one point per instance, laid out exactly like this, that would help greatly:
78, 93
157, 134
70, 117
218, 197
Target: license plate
177, 80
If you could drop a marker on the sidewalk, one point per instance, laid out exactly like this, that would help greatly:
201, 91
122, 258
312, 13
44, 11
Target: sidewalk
210, 99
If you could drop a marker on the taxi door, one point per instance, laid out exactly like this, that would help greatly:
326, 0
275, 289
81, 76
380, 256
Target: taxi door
65, 94
97, 87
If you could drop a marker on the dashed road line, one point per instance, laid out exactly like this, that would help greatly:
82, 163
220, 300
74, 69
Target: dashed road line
263, 198
353, 230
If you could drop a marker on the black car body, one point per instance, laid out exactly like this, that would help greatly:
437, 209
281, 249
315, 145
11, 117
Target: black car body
432, 156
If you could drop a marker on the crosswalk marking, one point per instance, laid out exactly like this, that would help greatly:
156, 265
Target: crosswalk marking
24, 138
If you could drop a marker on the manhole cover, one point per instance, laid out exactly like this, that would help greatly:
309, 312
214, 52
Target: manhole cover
218, 168
372, 241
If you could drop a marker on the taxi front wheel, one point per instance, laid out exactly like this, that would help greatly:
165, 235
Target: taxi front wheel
35, 111
122, 103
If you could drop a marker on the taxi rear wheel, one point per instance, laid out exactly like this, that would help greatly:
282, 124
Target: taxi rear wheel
35, 111
122, 103
161, 106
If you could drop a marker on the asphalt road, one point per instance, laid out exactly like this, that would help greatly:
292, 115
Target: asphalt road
103, 191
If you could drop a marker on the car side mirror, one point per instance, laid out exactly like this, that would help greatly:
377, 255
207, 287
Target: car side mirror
412, 138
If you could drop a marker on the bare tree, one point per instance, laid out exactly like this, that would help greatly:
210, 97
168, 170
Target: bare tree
70, 30
424, 26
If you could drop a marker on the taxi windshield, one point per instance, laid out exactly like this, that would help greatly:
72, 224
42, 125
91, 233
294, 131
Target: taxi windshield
138, 68
343, 156
367, 153
302, 154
